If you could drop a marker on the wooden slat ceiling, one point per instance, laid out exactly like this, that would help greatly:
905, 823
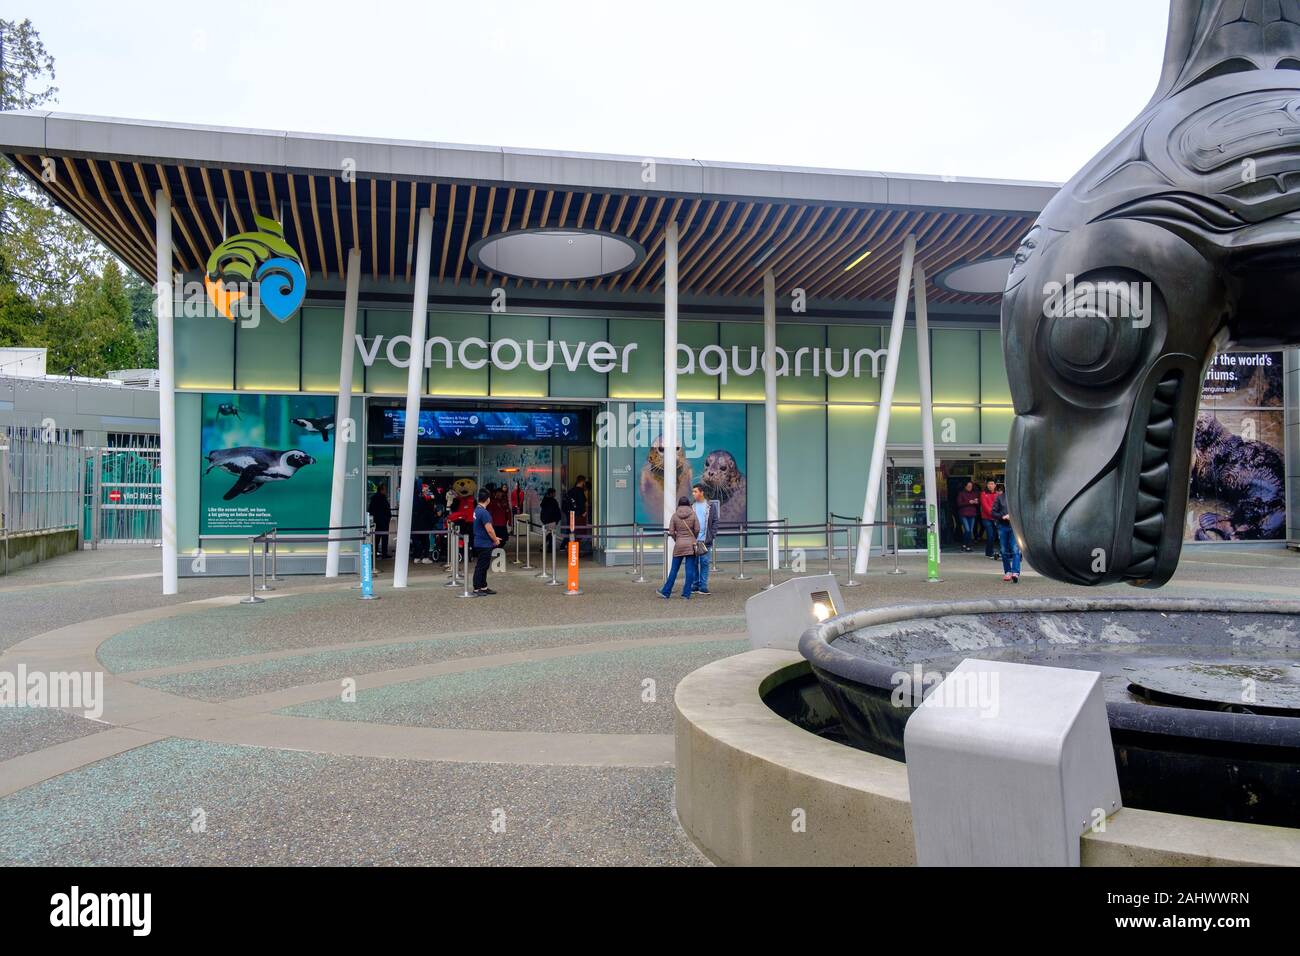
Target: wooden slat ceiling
724, 249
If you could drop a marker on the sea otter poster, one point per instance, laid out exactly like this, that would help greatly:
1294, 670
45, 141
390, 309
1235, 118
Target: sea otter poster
1238, 481
711, 450
265, 460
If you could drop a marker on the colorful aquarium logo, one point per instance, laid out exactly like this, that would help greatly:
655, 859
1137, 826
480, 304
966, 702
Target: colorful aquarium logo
260, 263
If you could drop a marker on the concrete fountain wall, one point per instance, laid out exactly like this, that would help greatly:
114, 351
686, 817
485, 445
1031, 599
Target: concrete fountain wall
755, 789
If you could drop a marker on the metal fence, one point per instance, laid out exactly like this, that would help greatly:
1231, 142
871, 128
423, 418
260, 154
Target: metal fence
40, 478
123, 500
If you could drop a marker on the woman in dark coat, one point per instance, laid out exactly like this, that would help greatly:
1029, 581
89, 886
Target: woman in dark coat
968, 510
382, 512
684, 530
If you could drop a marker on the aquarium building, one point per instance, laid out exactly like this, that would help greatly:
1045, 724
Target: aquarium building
318, 293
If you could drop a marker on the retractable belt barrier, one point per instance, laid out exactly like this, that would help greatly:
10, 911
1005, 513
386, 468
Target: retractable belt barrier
458, 549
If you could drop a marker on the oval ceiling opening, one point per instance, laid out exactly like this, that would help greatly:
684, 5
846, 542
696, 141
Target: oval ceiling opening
986, 277
556, 254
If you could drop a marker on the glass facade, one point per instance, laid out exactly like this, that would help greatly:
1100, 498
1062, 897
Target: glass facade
828, 397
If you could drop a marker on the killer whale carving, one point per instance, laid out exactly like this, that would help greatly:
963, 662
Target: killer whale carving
1180, 238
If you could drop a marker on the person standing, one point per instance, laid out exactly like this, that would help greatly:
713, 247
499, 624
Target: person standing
438, 514
968, 510
381, 512
1007, 542
499, 508
485, 539
550, 516
987, 497
419, 524
576, 502
684, 530
706, 513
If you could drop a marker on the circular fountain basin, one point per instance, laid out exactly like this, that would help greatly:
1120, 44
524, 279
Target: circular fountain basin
1203, 697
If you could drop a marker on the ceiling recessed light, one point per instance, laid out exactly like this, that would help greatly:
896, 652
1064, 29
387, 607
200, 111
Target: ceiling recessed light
857, 260
559, 255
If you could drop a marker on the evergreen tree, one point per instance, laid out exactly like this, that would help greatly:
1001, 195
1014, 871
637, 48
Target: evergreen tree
59, 287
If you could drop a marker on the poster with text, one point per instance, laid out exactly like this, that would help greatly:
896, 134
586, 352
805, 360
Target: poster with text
1238, 480
267, 460
711, 450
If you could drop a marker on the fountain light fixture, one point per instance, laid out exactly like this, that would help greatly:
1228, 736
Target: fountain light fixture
823, 606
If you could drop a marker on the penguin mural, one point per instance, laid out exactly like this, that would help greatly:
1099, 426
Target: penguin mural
652, 478
317, 426
254, 467
723, 481
228, 408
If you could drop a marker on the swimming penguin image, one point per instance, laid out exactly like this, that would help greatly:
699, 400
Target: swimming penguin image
228, 408
318, 426
652, 478
255, 467
723, 481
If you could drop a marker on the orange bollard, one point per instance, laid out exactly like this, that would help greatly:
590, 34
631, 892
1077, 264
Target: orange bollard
572, 587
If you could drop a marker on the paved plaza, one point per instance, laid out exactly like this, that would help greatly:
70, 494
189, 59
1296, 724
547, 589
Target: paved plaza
524, 728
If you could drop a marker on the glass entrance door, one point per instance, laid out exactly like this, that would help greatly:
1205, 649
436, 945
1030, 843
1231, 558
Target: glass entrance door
906, 496
954, 473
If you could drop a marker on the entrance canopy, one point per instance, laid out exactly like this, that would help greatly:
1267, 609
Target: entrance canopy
836, 234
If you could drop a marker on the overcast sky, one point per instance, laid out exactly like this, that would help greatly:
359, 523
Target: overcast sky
1010, 89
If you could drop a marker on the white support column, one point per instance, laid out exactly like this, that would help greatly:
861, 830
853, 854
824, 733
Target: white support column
414, 381
769, 407
927, 398
670, 375
886, 401
343, 411
166, 385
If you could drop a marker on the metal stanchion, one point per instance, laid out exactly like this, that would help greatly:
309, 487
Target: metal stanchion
466, 593
266, 553
515, 531
252, 584
542, 550
528, 543
554, 557
275, 548
848, 554
897, 569
742, 537
453, 553
786, 539
771, 564
830, 549
638, 554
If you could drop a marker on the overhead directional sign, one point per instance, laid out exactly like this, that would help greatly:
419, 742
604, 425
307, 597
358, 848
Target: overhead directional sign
473, 426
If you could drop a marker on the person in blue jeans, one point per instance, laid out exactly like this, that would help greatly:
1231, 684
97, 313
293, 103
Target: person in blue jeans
1007, 542
706, 513
684, 530
987, 497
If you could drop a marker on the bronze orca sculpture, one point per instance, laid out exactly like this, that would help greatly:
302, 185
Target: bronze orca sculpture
1181, 238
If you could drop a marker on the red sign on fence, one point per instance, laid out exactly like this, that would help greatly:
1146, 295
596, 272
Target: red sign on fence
115, 496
